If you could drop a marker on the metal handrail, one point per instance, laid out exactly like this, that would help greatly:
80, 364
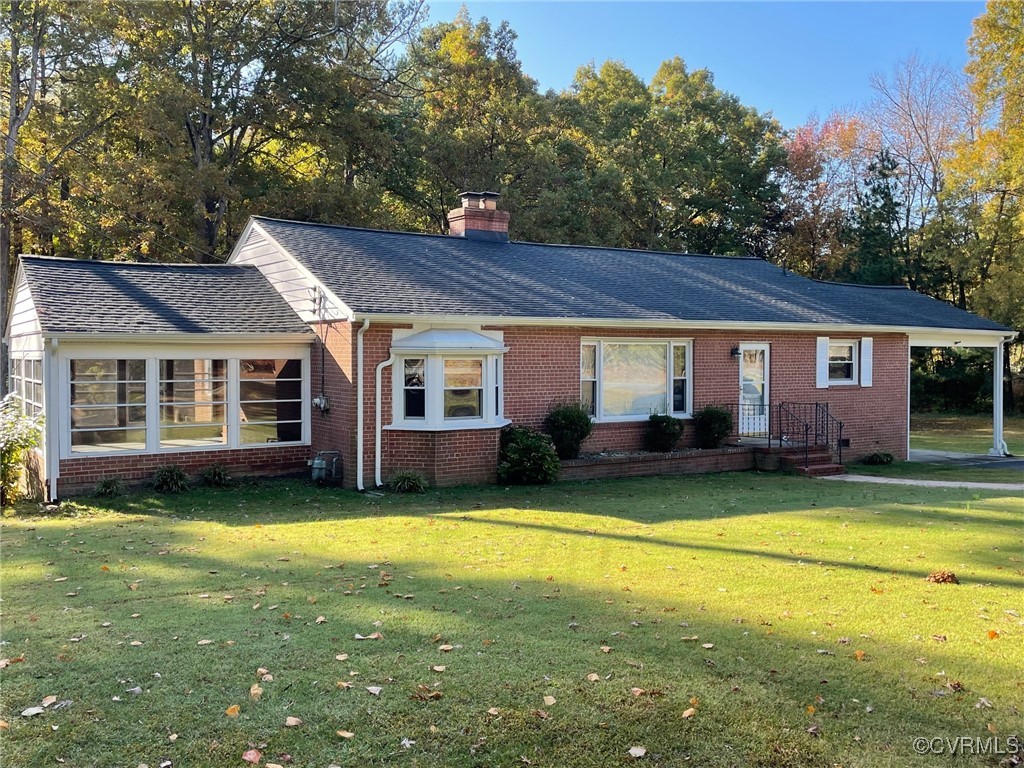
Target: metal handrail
788, 422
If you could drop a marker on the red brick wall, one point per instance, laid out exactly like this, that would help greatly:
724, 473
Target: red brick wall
875, 417
542, 366
81, 473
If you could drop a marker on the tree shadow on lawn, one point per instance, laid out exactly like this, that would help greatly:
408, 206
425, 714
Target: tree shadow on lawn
646, 501
514, 642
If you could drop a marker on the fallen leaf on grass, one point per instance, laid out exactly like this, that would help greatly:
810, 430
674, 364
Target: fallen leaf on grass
267, 678
292, 722
638, 752
255, 691
374, 636
439, 667
993, 634
593, 677
493, 712
549, 701
606, 649
205, 642
541, 714
707, 646
274, 765
425, 693
320, 619
345, 734
374, 689
637, 691
859, 655
341, 657
233, 710
136, 642
344, 684
688, 713
4, 725
252, 756
47, 701
32, 711
7, 662
446, 648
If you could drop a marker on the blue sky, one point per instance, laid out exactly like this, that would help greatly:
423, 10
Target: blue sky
792, 59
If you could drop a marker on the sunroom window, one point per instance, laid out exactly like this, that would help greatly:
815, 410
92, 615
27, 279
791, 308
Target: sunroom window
193, 403
628, 380
108, 405
270, 400
27, 383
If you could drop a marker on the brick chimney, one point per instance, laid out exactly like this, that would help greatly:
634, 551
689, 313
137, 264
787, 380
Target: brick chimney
479, 218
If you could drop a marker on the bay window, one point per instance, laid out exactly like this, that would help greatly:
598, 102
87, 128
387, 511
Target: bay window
628, 380
446, 379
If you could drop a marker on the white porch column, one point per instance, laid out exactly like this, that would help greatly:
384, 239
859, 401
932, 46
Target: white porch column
998, 444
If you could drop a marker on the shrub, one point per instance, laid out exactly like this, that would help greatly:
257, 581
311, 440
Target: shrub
568, 424
877, 459
18, 435
216, 476
527, 457
109, 486
408, 481
170, 478
662, 433
711, 426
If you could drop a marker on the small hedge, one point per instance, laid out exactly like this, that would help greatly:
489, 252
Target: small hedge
568, 424
408, 481
171, 478
216, 476
109, 487
878, 459
711, 426
662, 433
527, 457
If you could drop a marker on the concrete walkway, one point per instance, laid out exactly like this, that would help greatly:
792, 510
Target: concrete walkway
1018, 487
977, 460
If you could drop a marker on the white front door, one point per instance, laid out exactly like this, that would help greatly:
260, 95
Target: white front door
753, 413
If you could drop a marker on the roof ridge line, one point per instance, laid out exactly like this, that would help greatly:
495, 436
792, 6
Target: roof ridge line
108, 262
373, 230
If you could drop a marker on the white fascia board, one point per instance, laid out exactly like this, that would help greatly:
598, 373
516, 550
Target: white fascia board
943, 338
977, 337
204, 339
332, 297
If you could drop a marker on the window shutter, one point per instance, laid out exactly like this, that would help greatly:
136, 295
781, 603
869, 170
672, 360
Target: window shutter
822, 363
866, 364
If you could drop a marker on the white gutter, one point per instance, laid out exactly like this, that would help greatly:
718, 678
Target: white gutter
359, 404
380, 427
184, 338
992, 336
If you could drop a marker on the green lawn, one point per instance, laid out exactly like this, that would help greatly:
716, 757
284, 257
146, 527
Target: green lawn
963, 433
742, 619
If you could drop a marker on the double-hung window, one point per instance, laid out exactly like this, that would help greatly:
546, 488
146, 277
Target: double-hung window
842, 362
446, 379
628, 380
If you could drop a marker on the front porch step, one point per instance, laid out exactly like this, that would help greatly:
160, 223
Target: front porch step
821, 470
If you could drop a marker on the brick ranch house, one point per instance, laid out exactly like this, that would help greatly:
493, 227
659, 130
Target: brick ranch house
406, 351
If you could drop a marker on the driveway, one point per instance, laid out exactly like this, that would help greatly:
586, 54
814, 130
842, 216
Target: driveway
975, 460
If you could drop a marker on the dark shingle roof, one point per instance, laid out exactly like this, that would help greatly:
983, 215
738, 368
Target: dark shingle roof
105, 297
399, 272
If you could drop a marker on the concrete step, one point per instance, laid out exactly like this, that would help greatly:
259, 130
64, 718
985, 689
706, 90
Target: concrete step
820, 470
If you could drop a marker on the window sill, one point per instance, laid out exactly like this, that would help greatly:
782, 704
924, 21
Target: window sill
843, 383
635, 419
448, 426
182, 449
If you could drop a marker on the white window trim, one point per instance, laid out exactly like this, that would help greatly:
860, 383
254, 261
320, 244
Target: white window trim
854, 379
492, 413
152, 356
599, 342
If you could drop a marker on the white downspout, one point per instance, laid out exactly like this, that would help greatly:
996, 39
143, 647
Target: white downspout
359, 404
380, 428
998, 444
